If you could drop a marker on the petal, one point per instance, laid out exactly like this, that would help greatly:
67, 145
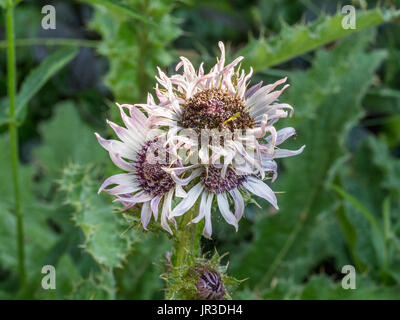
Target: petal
223, 205
154, 206
125, 184
283, 135
145, 214
239, 203
121, 163
202, 208
117, 147
253, 90
260, 189
207, 231
187, 202
166, 211
283, 153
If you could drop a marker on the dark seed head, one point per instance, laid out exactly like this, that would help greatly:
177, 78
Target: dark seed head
152, 178
215, 183
215, 109
210, 286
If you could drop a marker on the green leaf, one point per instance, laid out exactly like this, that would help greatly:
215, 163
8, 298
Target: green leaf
108, 237
97, 287
296, 40
120, 8
35, 80
40, 75
132, 66
39, 237
140, 276
65, 138
323, 288
331, 92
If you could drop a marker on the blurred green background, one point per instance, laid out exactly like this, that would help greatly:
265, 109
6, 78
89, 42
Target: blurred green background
340, 200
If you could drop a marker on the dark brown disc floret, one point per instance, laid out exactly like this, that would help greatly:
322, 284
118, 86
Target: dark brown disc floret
152, 157
215, 109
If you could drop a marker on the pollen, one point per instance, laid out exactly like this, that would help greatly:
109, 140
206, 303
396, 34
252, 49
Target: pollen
215, 109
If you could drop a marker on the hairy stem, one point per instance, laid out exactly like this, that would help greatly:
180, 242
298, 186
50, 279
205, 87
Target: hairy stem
186, 248
11, 80
187, 240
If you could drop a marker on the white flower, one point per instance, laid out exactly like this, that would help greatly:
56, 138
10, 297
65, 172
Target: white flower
219, 100
229, 188
145, 181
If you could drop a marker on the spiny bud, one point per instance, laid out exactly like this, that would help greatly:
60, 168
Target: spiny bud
210, 285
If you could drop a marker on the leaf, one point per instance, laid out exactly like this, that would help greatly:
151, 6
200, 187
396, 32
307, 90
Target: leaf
132, 66
40, 75
295, 40
140, 276
35, 80
331, 90
107, 235
97, 287
39, 237
120, 8
65, 138
322, 288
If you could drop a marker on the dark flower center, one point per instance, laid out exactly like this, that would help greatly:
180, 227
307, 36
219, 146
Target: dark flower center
215, 183
215, 109
210, 286
150, 161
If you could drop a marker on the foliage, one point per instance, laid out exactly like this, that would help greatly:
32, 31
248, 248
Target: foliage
131, 63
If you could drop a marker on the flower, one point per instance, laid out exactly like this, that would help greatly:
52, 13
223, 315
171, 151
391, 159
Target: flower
219, 100
154, 148
146, 181
229, 188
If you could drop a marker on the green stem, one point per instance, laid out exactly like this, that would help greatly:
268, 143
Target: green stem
187, 240
185, 253
11, 80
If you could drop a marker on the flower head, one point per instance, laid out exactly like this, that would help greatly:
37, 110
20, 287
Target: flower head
217, 121
144, 157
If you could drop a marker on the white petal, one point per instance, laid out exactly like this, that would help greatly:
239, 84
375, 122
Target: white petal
145, 214
125, 184
202, 208
207, 231
166, 211
154, 206
283, 153
187, 202
117, 147
223, 205
239, 203
260, 189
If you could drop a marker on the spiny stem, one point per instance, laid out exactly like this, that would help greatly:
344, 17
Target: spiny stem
11, 80
187, 239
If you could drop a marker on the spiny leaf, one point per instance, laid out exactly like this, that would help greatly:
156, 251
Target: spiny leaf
132, 67
120, 8
293, 41
104, 229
